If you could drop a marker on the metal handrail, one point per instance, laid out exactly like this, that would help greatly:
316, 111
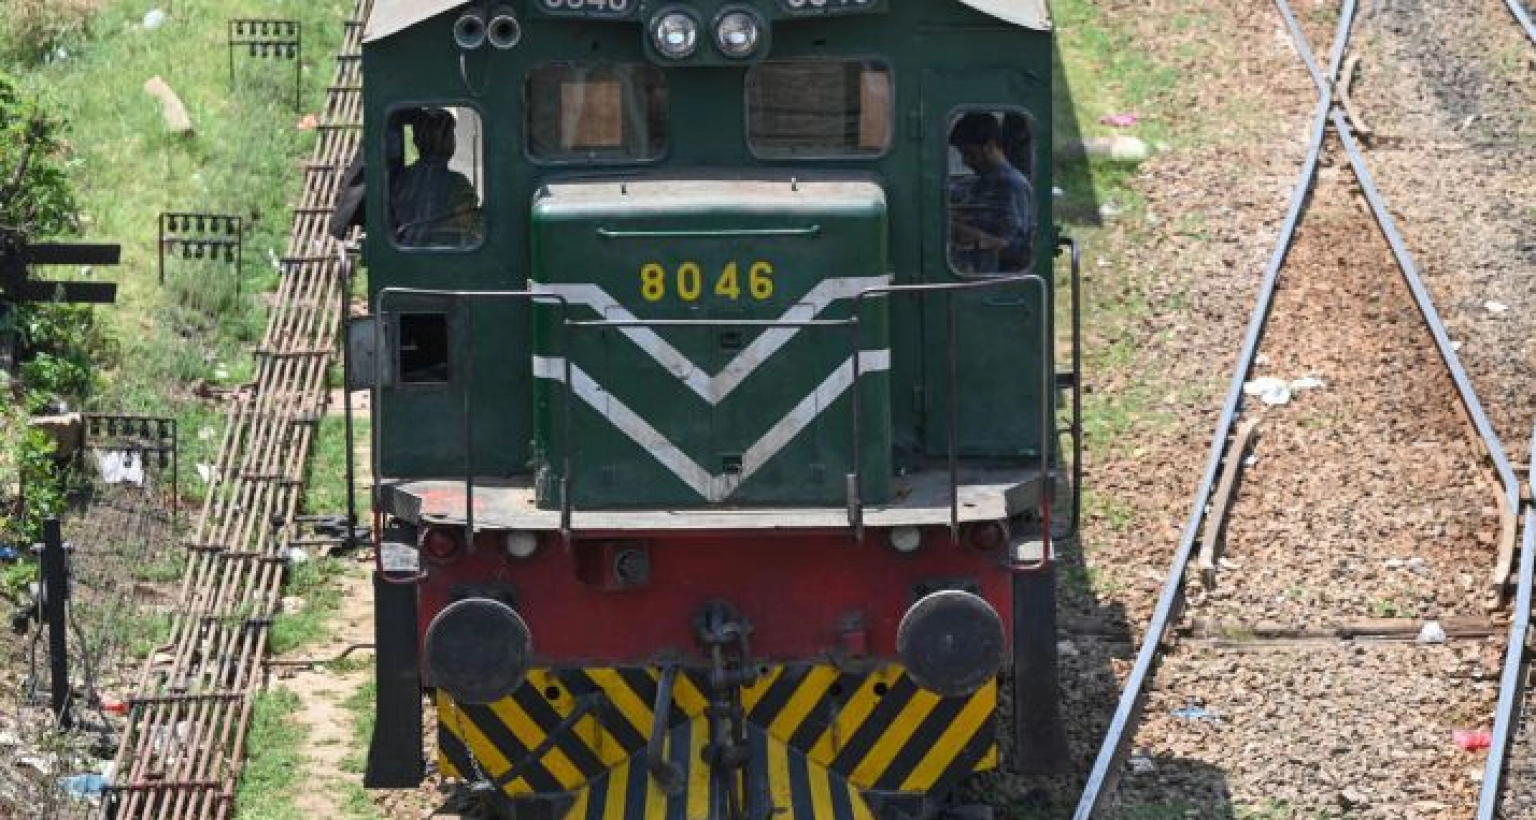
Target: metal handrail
1047, 376
455, 297
1075, 429
853, 323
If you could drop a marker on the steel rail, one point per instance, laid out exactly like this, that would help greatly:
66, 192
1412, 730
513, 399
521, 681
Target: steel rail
1524, 19
1107, 765
1512, 681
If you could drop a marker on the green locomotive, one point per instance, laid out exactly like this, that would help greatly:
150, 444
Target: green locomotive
715, 426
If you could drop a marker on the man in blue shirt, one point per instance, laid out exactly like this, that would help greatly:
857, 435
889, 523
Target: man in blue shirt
992, 216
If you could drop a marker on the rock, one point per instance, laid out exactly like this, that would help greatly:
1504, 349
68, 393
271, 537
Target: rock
177, 121
1128, 150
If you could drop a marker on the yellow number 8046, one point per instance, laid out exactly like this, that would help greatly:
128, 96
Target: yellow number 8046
688, 281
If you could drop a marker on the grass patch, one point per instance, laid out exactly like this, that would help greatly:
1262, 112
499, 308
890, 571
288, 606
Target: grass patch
311, 581
126, 170
1118, 515
166, 566
360, 705
325, 490
144, 632
274, 752
356, 803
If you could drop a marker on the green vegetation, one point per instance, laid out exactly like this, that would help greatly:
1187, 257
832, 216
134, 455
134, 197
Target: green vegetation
355, 800
35, 30
325, 488
127, 169
1386, 608
311, 582
275, 754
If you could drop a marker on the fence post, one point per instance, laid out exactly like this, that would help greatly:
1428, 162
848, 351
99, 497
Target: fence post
55, 600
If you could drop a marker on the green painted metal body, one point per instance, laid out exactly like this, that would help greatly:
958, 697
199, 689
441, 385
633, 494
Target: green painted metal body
710, 201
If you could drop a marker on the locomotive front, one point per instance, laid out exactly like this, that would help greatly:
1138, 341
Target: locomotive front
712, 424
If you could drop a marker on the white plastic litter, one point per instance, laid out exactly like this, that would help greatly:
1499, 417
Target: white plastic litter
297, 555
153, 19
1270, 390
1431, 632
206, 472
118, 467
1307, 383
1057, 192
1495, 308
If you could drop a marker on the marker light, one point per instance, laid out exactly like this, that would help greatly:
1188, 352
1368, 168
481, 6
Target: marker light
521, 543
906, 539
737, 34
675, 34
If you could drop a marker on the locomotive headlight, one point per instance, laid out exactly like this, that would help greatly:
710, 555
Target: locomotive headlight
737, 34
675, 33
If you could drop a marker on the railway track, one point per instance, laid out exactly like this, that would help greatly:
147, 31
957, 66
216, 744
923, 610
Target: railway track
1260, 648
180, 753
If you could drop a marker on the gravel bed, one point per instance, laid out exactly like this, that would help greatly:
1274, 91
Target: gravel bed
1364, 496
1447, 87
1367, 498
1363, 501
1311, 730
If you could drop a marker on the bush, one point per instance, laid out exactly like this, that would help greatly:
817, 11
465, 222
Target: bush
31, 29
35, 195
61, 347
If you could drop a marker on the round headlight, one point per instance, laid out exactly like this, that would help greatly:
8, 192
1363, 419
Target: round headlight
737, 34
675, 34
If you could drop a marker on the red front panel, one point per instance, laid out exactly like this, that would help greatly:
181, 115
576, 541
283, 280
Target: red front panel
805, 594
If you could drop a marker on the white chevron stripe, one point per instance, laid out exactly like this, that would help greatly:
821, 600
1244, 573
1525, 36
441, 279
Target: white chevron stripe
714, 389
712, 487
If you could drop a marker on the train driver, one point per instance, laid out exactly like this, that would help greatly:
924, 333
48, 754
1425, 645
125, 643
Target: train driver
431, 204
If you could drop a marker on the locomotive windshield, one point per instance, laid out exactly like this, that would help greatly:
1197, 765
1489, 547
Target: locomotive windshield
819, 109
602, 112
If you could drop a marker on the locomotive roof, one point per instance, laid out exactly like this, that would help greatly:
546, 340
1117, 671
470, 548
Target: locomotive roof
392, 16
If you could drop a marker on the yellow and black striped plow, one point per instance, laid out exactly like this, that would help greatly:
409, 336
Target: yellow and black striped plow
824, 743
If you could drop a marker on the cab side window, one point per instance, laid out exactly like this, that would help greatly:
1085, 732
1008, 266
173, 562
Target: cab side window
991, 201
436, 177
